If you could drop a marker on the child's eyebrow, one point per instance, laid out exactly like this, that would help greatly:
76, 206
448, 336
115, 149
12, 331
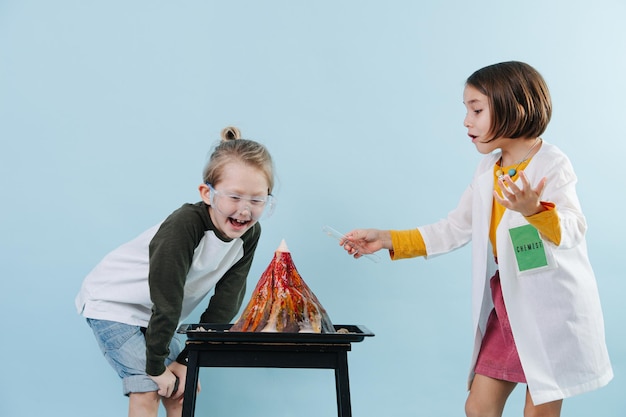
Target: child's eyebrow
472, 101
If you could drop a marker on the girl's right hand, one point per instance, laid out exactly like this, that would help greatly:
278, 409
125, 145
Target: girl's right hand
361, 242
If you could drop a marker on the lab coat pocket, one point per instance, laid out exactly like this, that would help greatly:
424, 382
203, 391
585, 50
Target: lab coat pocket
532, 253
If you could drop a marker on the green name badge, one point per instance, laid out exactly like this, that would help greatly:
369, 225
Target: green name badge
528, 248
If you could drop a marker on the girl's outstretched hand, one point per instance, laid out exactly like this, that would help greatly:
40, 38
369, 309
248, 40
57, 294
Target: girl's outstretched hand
526, 200
361, 242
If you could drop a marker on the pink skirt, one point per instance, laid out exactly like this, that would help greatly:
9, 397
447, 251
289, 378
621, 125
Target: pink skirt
498, 356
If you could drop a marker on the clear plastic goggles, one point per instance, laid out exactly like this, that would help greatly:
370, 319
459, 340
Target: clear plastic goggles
230, 204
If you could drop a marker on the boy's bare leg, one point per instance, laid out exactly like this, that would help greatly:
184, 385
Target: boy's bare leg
143, 404
173, 406
487, 396
551, 409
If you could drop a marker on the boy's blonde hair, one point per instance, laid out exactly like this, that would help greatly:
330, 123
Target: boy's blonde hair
231, 148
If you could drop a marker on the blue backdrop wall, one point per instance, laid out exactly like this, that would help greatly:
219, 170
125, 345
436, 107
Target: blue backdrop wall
108, 110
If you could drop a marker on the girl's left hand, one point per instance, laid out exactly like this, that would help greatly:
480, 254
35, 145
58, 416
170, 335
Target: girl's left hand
525, 200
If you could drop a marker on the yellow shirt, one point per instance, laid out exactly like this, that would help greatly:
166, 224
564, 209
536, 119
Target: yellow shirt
409, 243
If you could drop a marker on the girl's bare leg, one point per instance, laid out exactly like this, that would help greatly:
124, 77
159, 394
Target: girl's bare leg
143, 404
551, 409
487, 397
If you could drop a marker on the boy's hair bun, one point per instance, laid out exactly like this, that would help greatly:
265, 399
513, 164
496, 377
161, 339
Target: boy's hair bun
230, 133
231, 149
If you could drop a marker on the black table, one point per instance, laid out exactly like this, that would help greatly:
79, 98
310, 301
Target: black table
217, 347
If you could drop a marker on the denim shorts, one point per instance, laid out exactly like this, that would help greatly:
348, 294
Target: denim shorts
124, 347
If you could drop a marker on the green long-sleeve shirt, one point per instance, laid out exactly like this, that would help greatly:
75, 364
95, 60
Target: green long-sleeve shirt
157, 279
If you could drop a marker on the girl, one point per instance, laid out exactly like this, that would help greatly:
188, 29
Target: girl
137, 295
536, 310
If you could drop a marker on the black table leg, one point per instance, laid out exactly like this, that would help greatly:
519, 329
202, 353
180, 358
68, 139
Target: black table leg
317, 356
191, 384
342, 385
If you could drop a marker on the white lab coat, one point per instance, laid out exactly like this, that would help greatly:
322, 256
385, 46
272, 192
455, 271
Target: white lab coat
554, 311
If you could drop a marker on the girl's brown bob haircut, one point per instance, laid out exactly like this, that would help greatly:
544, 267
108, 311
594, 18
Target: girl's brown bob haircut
518, 98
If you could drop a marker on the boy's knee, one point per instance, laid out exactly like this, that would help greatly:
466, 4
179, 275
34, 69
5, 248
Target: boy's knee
143, 403
174, 407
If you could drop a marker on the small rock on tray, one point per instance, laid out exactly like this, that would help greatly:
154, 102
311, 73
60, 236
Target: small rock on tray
201, 329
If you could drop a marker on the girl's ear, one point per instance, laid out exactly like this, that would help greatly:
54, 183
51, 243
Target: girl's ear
205, 193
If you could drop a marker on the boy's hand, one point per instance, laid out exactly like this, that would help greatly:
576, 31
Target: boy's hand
167, 383
180, 371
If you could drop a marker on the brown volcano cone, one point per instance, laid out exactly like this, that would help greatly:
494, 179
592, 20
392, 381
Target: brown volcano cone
282, 302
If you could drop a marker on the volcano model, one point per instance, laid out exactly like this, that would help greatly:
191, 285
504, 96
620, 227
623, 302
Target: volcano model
282, 302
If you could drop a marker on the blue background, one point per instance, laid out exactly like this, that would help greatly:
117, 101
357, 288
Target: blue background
107, 113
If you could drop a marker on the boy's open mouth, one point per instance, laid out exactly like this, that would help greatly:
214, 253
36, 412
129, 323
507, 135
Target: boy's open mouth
237, 223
